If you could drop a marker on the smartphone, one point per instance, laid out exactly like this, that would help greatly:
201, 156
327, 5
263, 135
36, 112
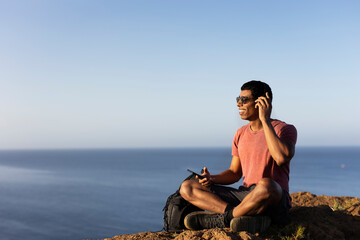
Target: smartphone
200, 176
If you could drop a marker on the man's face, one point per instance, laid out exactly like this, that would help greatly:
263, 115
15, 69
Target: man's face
247, 108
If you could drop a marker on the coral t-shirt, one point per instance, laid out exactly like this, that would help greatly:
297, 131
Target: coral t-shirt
256, 161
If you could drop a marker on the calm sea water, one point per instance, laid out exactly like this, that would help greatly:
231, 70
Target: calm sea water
80, 194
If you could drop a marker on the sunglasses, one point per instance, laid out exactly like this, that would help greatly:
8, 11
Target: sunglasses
243, 100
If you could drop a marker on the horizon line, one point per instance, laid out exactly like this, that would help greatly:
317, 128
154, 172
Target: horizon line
160, 147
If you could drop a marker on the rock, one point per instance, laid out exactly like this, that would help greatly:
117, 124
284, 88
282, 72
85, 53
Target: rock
326, 217
313, 217
209, 234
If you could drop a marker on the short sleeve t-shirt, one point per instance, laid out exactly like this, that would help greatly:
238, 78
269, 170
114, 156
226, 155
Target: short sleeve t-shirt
256, 161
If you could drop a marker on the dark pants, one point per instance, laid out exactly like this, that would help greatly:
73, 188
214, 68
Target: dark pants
278, 213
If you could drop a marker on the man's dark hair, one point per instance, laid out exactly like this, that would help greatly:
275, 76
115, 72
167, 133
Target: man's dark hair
258, 89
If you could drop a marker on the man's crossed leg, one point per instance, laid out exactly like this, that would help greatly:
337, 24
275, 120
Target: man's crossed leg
233, 206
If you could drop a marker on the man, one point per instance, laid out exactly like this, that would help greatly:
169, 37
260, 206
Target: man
261, 151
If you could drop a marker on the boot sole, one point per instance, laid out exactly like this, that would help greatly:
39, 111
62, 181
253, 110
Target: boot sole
251, 224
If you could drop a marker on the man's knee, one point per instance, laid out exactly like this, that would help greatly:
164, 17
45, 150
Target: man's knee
186, 189
269, 190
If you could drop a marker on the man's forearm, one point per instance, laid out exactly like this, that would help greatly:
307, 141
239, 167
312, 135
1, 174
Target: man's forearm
227, 177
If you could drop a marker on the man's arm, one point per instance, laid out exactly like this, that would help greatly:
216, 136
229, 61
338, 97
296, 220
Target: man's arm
281, 151
230, 176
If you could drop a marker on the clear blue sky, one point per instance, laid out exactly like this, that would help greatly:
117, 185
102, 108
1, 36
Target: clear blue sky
107, 74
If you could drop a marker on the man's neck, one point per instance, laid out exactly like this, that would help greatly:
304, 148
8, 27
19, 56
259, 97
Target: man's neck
256, 125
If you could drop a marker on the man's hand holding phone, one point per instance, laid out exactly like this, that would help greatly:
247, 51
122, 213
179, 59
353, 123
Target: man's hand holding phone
264, 106
206, 180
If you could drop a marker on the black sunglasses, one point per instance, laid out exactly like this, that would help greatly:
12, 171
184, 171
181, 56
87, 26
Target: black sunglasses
243, 100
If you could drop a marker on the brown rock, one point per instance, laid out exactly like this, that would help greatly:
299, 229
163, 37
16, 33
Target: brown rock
324, 217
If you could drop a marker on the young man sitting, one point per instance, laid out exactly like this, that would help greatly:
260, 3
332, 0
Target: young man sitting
261, 152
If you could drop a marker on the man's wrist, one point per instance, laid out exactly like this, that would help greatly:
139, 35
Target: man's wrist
266, 121
212, 179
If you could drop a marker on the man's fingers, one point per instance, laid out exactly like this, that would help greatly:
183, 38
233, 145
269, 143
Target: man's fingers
206, 180
201, 180
257, 105
206, 183
260, 104
263, 102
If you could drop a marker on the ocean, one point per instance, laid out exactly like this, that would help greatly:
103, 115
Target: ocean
94, 194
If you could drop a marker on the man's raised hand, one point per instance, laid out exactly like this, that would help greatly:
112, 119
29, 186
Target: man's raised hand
264, 106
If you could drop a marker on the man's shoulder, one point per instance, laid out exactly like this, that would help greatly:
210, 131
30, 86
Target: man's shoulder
243, 128
280, 124
285, 131
240, 131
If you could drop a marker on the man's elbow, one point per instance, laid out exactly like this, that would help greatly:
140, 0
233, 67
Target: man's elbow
281, 160
284, 158
236, 176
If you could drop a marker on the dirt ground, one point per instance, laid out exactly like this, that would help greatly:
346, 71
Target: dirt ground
313, 217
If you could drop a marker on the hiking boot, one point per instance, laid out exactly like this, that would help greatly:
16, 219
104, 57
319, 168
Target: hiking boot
204, 220
251, 224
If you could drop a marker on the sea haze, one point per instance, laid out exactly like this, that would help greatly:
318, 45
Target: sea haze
79, 194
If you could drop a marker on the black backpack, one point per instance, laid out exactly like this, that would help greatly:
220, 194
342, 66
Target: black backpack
175, 210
